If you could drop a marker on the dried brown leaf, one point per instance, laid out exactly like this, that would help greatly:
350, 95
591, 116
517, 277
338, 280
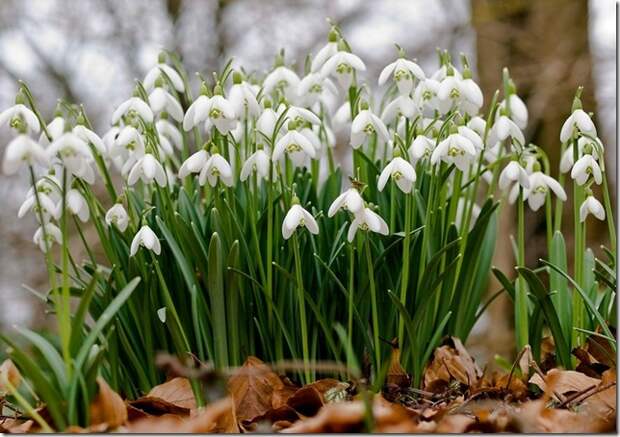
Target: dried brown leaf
396, 374
108, 407
451, 361
252, 389
10, 373
172, 397
564, 382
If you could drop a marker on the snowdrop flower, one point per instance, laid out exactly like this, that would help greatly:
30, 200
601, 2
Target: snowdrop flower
326, 52
425, 95
200, 105
218, 111
216, 168
47, 208
367, 220
266, 123
295, 145
513, 172
194, 163
400, 171
74, 154
568, 158
76, 204
147, 169
117, 216
88, 136
55, 129
503, 128
450, 91
312, 87
478, 125
365, 125
283, 79
591, 206
584, 167
472, 136
312, 136
402, 72
23, 150
129, 142
169, 134
518, 110
132, 107
400, 106
156, 73
299, 115
342, 65
44, 238
540, 184
471, 94
421, 147
20, 118
259, 162
460, 212
298, 217
146, 238
350, 200
161, 100
579, 121
456, 149
242, 98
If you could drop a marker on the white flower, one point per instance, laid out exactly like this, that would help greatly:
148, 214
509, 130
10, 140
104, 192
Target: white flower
472, 136
540, 184
518, 110
326, 52
18, 115
421, 147
52, 234
169, 135
400, 106
88, 136
76, 204
216, 167
364, 126
425, 96
341, 65
242, 97
147, 169
350, 200
584, 167
456, 149
284, 79
218, 111
401, 171
117, 216
367, 220
513, 172
402, 71
156, 72
299, 115
55, 129
200, 105
568, 158
127, 148
471, 96
266, 123
74, 154
312, 87
296, 217
295, 145
503, 128
579, 120
131, 107
23, 149
161, 100
146, 238
591, 206
194, 163
478, 125
259, 162
47, 210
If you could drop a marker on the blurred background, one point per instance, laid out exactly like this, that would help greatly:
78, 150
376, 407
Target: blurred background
91, 51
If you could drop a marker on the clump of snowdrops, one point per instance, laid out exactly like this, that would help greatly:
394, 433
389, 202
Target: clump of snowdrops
316, 218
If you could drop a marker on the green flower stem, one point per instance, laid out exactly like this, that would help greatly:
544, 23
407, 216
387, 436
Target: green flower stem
302, 311
373, 303
31, 412
351, 283
405, 275
65, 316
521, 303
